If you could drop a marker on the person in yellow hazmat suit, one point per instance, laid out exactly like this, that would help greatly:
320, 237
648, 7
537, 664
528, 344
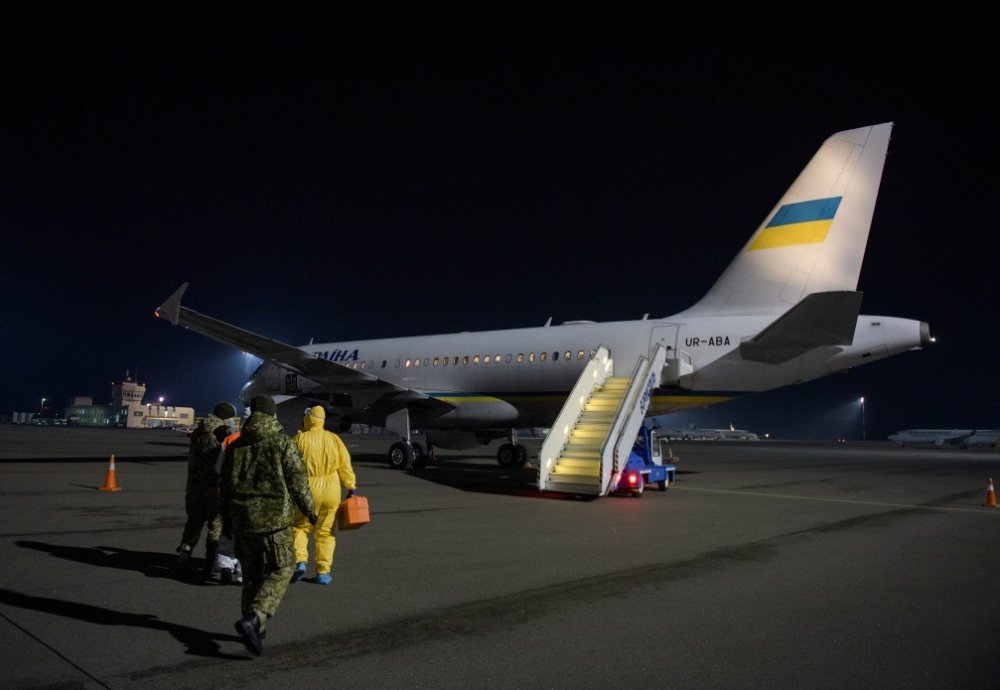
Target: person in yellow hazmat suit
328, 466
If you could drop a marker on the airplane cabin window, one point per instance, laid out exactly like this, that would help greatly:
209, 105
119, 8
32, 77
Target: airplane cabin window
531, 357
475, 359
568, 355
496, 358
486, 359
465, 360
543, 356
416, 362
520, 357
555, 356
579, 356
407, 365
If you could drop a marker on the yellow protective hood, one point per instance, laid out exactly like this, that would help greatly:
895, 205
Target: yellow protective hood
314, 418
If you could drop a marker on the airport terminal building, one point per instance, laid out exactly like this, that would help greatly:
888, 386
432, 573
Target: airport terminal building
127, 410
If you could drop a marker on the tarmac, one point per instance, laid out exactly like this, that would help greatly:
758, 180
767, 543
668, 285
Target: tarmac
765, 565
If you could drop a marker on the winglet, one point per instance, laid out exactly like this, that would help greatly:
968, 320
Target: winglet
171, 309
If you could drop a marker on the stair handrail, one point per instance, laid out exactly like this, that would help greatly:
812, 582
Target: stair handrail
609, 447
631, 414
595, 373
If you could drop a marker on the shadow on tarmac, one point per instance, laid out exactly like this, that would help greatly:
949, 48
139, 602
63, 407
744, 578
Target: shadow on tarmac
149, 563
196, 642
476, 477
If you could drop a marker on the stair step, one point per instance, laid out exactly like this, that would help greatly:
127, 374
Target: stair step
576, 489
593, 458
583, 464
581, 479
590, 429
581, 449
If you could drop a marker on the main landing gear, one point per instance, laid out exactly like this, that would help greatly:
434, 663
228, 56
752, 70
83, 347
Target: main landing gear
405, 455
512, 453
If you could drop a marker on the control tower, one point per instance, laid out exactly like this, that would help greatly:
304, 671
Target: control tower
126, 403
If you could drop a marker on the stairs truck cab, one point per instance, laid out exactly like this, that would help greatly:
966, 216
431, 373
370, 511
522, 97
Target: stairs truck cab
647, 464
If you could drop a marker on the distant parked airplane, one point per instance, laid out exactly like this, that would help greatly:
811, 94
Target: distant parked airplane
950, 437
695, 434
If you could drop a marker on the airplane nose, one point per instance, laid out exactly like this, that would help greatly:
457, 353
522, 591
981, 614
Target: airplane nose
251, 388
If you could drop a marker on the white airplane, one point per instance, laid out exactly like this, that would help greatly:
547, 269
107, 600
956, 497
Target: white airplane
951, 437
690, 434
785, 311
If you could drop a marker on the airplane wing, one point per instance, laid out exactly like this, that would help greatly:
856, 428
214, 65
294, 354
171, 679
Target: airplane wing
821, 319
331, 374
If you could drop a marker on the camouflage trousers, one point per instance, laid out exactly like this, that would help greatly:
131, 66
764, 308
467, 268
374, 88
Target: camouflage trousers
268, 561
202, 508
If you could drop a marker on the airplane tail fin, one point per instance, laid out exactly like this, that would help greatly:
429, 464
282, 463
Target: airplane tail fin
815, 237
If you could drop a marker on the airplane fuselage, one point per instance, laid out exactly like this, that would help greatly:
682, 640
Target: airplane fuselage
520, 377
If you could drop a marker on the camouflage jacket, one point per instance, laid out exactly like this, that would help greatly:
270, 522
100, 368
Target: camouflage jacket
263, 478
202, 470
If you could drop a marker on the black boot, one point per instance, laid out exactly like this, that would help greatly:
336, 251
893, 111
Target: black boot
184, 565
249, 628
211, 551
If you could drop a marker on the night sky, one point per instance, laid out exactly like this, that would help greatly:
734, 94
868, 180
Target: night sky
348, 174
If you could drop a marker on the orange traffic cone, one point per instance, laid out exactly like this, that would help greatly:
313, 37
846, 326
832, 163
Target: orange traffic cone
109, 478
991, 497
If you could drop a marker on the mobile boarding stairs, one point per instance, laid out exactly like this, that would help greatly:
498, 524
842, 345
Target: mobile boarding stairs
588, 447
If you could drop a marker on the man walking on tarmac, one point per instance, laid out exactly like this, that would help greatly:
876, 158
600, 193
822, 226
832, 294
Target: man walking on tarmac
201, 496
263, 481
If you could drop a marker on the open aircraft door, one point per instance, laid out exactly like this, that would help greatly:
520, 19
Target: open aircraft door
678, 363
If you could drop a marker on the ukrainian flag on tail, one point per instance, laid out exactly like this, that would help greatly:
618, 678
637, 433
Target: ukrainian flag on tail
805, 222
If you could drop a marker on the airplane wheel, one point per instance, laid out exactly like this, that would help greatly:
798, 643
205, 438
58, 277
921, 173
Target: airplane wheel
400, 456
506, 455
419, 457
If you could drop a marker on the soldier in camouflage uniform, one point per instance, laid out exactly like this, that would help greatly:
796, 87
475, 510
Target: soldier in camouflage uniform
263, 481
201, 497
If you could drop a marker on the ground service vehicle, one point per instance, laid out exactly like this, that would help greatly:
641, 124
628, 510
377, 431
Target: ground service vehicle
646, 465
